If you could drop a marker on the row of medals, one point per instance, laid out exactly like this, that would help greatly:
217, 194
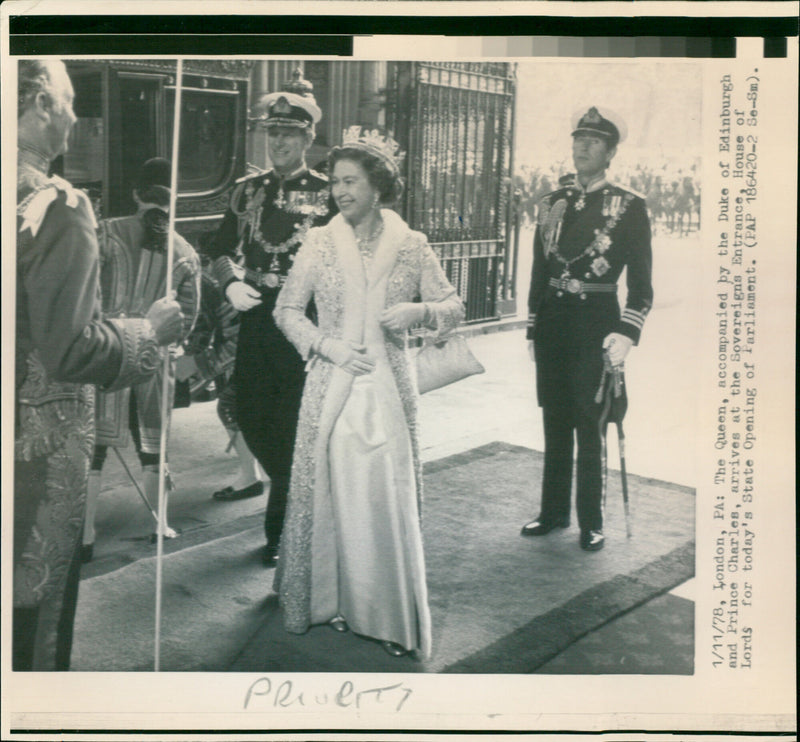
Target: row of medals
272, 279
611, 206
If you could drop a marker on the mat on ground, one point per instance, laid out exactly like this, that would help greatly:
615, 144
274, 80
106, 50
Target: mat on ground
500, 603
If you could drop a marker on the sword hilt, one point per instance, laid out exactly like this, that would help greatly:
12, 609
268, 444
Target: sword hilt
617, 376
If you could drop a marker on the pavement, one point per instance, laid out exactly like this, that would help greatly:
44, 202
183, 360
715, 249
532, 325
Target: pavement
499, 405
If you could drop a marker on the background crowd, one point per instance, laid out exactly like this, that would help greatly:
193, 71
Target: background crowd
672, 192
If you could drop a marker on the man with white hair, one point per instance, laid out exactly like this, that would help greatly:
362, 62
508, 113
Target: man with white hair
588, 231
268, 218
63, 349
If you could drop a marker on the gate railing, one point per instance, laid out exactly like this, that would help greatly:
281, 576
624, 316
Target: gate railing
455, 121
472, 268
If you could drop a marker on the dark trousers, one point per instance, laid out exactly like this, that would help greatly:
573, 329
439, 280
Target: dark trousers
269, 376
559, 434
268, 423
569, 363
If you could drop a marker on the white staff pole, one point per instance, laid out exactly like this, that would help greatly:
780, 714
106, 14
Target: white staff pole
165, 411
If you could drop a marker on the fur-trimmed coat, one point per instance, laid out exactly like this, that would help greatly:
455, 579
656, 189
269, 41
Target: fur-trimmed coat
329, 269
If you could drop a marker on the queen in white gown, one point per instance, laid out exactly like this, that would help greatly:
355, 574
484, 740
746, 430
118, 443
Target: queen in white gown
351, 552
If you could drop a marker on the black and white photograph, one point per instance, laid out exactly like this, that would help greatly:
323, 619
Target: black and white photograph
344, 383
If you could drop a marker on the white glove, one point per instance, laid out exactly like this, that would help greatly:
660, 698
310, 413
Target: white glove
617, 346
531, 351
242, 296
401, 316
348, 356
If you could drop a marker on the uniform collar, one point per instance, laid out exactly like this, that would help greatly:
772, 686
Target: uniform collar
291, 176
32, 157
594, 185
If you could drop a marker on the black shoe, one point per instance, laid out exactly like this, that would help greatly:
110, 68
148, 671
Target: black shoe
270, 556
228, 494
537, 528
394, 649
338, 624
592, 540
87, 553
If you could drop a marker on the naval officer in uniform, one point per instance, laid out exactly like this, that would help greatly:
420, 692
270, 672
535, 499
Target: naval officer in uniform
267, 220
587, 232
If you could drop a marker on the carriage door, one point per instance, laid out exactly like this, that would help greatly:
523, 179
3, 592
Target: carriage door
455, 121
137, 128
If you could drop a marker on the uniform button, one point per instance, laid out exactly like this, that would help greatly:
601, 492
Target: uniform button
583, 296
559, 293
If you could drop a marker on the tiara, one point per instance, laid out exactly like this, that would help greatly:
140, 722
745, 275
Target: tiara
375, 143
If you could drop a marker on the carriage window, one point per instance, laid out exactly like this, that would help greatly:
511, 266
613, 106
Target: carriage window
139, 106
83, 162
207, 138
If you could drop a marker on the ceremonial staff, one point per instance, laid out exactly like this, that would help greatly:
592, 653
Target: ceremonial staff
176, 129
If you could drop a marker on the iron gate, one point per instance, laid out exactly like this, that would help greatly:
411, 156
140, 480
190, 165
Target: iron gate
455, 121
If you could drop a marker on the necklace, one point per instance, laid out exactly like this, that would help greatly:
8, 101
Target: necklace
366, 244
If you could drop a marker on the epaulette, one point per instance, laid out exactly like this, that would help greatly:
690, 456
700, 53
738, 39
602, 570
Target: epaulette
318, 175
626, 190
239, 188
548, 197
35, 206
252, 172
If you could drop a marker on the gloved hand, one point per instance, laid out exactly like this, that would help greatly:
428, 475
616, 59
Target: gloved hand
401, 316
531, 351
242, 296
617, 346
166, 318
348, 356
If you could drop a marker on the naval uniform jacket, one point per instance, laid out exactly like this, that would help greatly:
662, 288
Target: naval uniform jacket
266, 223
584, 240
63, 348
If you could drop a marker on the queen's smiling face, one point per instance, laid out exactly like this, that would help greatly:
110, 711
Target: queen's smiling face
351, 189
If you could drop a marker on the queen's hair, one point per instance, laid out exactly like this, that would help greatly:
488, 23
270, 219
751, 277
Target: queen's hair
381, 175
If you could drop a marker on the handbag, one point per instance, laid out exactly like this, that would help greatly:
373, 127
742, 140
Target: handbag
442, 362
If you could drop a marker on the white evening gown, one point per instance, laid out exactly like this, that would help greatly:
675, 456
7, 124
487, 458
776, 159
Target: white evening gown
374, 546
